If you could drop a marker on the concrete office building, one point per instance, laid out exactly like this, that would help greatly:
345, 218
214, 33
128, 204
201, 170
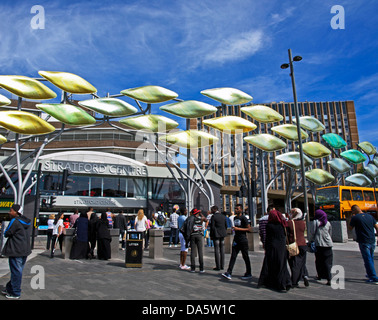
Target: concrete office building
338, 117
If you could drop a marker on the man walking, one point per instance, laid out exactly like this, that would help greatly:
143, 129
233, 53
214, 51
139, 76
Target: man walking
218, 231
17, 248
364, 225
240, 243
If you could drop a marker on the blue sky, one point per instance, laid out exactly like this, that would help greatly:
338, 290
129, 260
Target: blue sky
189, 46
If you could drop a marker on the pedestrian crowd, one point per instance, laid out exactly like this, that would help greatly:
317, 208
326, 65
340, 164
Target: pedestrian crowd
284, 243
90, 231
283, 240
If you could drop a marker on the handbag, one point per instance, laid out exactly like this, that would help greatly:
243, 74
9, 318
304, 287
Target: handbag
292, 248
311, 245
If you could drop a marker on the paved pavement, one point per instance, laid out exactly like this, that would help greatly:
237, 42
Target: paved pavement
161, 279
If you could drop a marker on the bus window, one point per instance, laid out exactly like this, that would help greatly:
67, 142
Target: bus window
327, 195
369, 196
345, 195
357, 195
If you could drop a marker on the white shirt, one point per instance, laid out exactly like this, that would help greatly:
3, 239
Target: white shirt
232, 220
50, 223
140, 225
56, 227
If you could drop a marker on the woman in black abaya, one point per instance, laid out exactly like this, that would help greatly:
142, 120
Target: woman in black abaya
92, 234
80, 247
103, 238
274, 273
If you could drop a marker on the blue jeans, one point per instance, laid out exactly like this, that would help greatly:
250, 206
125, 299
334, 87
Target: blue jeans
174, 232
367, 252
16, 266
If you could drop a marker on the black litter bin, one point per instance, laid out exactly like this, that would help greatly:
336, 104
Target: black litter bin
134, 249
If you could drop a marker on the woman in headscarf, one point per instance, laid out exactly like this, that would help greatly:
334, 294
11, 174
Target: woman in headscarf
274, 272
80, 247
103, 238
321, 233
297, 263
92, 234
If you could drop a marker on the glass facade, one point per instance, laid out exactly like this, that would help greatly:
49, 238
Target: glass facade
97, 186
165, 189
110, 187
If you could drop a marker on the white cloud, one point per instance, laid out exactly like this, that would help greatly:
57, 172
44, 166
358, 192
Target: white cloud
236, 47
282, 16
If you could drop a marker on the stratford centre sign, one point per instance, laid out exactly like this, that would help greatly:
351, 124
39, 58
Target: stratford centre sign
94, 168
84, 202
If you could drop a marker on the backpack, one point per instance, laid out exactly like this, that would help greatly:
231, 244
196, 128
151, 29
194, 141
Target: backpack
160, 219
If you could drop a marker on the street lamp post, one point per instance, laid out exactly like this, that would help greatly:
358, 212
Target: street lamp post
285, 66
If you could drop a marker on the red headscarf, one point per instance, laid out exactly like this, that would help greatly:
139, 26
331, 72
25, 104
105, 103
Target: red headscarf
276, 217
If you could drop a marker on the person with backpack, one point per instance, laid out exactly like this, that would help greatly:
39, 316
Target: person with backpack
160, 220
193, 233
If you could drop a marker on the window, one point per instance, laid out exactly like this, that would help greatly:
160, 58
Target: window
114, 187
357, 195
327, 195
345, 195
140, 188
83, 136
80, 186
51, 182
165, 189
369, 196
130, 188
119, 187
96, 187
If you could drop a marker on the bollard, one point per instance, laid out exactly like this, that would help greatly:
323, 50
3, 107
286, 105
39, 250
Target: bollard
67, 242
156, 243
339, 231
114, 244
228, 241
254, 239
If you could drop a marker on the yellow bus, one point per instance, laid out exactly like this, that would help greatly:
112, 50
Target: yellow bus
337, 201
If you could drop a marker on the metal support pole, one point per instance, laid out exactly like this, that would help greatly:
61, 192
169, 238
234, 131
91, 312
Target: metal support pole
36, 203
189, 195
299, 137
264, 193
